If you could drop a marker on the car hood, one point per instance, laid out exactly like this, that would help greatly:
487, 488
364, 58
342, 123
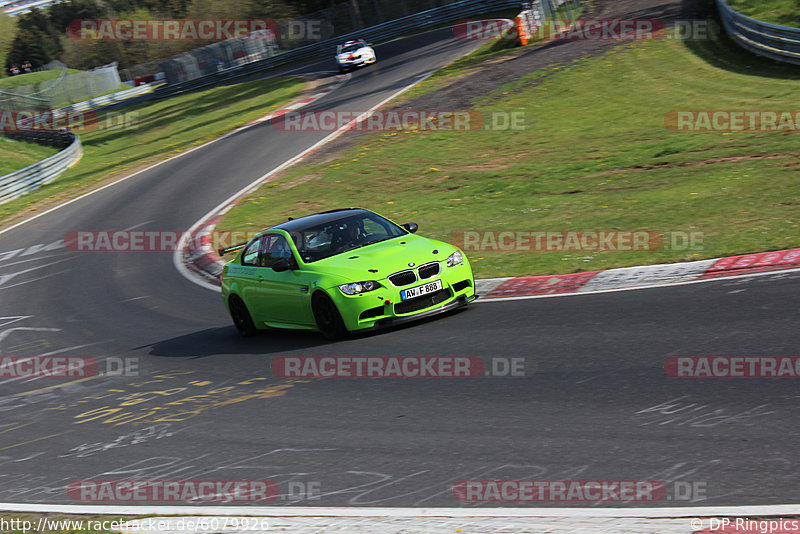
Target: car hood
386, 257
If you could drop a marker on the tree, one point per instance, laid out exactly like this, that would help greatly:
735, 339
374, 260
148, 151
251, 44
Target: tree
63, 13
36, 41
8, 30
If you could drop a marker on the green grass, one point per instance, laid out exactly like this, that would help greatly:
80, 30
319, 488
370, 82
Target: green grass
784, 12
32, 78
596, 155
16, 155
164, 128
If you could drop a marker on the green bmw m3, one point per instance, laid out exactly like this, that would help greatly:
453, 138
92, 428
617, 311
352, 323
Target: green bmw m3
342, 271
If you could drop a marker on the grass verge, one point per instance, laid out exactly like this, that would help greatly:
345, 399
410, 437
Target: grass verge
158, 130
595, 155
32, 78
784, 12
16, 155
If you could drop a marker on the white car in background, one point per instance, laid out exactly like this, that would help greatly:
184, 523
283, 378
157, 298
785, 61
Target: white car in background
354, 54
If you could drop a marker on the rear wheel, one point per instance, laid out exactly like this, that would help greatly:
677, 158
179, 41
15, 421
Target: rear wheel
329, 320
241, 317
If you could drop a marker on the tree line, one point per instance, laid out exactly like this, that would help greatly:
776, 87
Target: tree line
40, 36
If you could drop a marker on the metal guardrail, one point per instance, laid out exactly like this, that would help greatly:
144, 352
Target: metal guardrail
111, 98
43, 172
781, 43
380, 32
21, 8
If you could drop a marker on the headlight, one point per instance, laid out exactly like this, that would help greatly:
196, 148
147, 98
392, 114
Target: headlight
359, 287
455, 258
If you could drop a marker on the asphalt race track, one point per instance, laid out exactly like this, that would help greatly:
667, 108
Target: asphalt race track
200, 403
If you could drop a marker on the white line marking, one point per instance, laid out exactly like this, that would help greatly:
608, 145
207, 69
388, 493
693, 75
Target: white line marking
308, 511
720, 278
135, 226
28, 260
5, 333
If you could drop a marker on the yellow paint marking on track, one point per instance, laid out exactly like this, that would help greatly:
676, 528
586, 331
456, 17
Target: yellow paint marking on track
13, 427
103, 375
35, 440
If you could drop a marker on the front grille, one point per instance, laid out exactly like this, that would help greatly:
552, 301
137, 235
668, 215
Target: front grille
403, 278
458, 286
372, 312
429, 270
425, 301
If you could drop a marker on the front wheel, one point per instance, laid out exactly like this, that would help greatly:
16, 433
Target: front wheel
241, 317
329, 320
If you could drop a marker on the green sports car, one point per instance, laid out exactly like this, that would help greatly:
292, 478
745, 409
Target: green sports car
342, 271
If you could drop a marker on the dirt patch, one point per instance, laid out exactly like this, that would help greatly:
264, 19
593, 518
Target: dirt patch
710, 161
297, 181
486, 166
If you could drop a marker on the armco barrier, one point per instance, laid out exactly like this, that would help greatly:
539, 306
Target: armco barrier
781, 43
111, 98
381, 32
34, 176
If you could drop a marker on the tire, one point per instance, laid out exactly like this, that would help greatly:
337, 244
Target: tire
329, 320
241, 317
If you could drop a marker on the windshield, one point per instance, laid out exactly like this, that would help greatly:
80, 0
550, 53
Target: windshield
351, 48
341, 235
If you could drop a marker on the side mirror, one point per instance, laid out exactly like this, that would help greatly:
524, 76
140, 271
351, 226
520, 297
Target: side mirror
411, 227
283, 264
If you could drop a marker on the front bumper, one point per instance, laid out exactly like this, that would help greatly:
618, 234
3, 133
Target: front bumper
348, 63
384, 306
458, 302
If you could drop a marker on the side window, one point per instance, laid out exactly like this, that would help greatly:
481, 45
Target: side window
250, 256
273, 248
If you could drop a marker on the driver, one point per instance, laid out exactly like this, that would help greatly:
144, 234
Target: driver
350, 236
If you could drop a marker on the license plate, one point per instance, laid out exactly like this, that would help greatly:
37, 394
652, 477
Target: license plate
418, 291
